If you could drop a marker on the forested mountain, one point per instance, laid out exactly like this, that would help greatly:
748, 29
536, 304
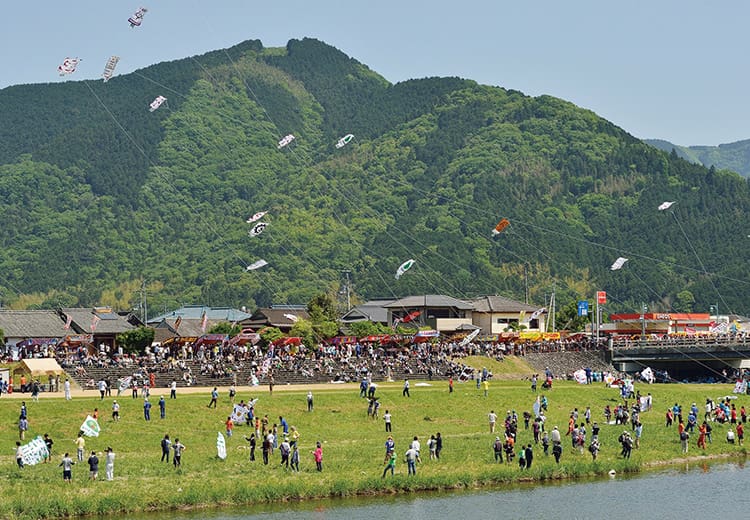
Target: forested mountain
101, 197
731, 156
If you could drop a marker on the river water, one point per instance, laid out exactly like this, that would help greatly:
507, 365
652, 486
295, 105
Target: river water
692, 491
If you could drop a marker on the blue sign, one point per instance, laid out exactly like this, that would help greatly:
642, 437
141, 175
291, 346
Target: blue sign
583, 308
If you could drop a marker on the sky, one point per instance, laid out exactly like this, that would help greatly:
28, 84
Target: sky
667, 69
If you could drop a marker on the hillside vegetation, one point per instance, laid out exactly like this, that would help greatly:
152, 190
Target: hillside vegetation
99, 195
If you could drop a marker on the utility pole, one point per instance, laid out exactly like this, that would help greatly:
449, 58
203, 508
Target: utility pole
526, 282
144, 305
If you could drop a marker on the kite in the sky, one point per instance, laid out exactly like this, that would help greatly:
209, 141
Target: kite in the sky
285, 141
156, 103
537, 313
665, 205
109, 68
468, 339
618, 264
257, 265
137, 19
68, 66
344, 140
255, 217
404, 267
500, 226
258, 229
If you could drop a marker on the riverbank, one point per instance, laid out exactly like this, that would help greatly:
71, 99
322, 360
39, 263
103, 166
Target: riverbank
353, 445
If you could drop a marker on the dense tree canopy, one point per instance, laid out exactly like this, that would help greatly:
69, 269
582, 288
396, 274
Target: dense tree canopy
101, 198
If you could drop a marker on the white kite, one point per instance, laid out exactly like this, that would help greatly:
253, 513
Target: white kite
239, 414
221, 447
404, 267
137, 19
156, 103
68, 66
470, 337
255, 217
34, 452
257, 265
258, 229
665, 205
291, 317
344, 140
90, 427
618, 264
109, 68
285, 141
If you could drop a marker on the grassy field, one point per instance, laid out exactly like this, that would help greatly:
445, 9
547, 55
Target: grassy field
353, 445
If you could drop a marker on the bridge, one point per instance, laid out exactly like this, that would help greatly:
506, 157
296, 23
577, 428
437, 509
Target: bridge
682, 356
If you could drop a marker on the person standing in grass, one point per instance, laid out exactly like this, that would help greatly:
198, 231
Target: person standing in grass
115, 411
411, 456
230, 426
93, 466
67, 466
266, 449
80, 445
295, 458
162, 408
109, 464
492, 416
438, 445
497, 447
146, 409
309, 401
253, 442
178, 448
390, 463
173, 390
166, 444
387, 419
214, 397
19, 455
66, 388
23, 426
48, 442
318, 456
405, 392
285, 451
740, 433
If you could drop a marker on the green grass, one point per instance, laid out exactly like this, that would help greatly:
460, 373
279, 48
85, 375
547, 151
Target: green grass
353, 446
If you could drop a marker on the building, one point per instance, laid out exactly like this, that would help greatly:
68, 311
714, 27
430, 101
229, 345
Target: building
659, 323
497, 314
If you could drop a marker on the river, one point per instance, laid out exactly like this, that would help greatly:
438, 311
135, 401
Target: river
692, 491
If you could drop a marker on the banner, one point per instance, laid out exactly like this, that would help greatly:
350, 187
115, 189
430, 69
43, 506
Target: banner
221, 446
90, 427
34, 452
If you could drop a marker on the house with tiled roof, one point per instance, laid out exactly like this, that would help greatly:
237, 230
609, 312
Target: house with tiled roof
32, 327
437, 311
495, 314
100, 324
283, 317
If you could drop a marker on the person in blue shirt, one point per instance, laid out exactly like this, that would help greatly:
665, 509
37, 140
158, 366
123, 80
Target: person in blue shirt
284, 425
146, 409
162, 407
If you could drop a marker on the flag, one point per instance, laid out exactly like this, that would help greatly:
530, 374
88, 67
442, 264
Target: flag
68, 321
90, 427
177, 322
204, 322
521, 316
221, 447
34, 452
94, 322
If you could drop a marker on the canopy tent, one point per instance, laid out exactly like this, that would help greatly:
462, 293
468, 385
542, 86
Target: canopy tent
39, 367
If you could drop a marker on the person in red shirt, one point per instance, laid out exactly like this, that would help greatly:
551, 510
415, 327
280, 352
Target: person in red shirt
740, 433
230, 426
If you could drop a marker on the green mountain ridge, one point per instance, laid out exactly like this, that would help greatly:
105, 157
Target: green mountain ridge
100, 195
731, 156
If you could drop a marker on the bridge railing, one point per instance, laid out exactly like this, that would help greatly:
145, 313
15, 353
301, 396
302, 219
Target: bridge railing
699, 341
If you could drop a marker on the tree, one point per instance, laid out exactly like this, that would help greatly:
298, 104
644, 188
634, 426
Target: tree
684, 301
224, 327
136, 340
367, 328
567, 318
270, 334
